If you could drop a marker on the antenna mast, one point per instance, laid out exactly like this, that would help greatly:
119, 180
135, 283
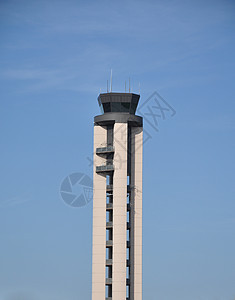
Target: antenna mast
111, 81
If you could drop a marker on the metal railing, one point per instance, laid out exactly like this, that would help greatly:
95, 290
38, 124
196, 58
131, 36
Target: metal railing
109, 187
109, 206
105, 168
108, 281
109, 243
109, 224
105, 149
109, 262
110, 298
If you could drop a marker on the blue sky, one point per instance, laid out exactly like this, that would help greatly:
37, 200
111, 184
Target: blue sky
55, 56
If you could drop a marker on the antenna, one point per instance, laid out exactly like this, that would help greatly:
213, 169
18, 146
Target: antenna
125, 86
111, 81
129, 85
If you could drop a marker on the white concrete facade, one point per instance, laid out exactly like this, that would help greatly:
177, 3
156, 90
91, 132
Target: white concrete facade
136, 214
119, 212
99, 220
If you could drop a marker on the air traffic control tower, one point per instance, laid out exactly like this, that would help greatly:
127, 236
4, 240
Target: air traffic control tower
117, 199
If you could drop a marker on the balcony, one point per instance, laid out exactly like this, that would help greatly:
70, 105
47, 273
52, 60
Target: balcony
109, 243
109, 224
105, 150
108, 281
109, 262
109, 206
109, 188
105, 169
110, 298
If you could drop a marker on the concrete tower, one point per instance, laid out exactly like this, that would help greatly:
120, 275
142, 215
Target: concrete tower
117, 199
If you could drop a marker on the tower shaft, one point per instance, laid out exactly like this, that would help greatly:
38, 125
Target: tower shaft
117, 200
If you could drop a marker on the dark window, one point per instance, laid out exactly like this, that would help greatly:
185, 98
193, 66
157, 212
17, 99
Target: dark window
116, 106
133, 108
106, 107
125, 107
100, 105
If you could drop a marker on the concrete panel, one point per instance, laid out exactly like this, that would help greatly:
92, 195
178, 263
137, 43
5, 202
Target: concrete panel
119, 212
99, 219
136, 214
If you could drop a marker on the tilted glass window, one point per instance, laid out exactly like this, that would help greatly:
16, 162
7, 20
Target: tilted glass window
133, 108
116, 106
107, 107
125, 107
